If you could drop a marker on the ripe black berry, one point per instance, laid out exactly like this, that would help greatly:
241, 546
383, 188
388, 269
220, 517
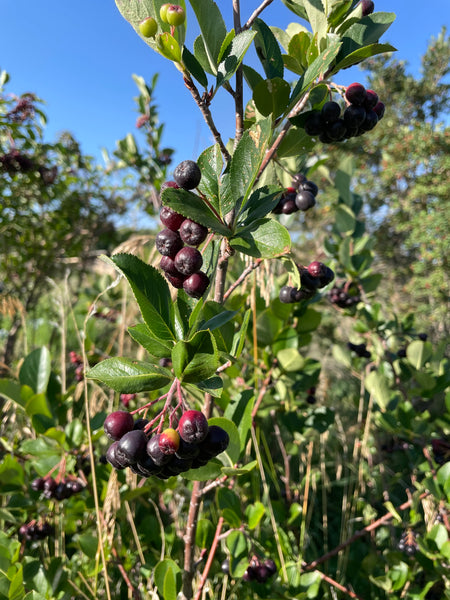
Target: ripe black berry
175, 280
371, 100
188, 260
187, 175
370, 121
379, 109
356, 94
193, 233
304, 200
155, 452
196, 285
215, 442
193, 426
310, 186
330, 112
314, 124
132, 446
354, 116
285, 295
168, 242
297, 180
118, 424
367, 7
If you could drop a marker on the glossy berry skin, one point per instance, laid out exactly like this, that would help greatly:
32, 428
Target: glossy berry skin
285, 295
168, 242
356, 94
193, 426
192, 233
188, 260
371, 100
337, 130
175, 15
167, 264
215, 442
170, 219
113, 459
132, 446
330, 112
196, 285
310, 186
175, 280
117, 424
354, 116
186, 450
316, 269
155, 452
148, 27
326, 278
169, 184
187, 174
379, 109
304, 200
288, 207
370, 121
297, 180
169, 441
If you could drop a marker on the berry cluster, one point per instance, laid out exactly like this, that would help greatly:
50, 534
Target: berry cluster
173, 451
57, 490
36, 531
182, 263
259, 571
315, 276
362, 113
359, 349
301, 195
343, 296
408, 543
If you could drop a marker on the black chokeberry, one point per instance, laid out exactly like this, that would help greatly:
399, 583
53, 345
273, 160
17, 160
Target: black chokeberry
187, 175
132, 446
196, 285
117, 424
285, 295
193, 426
170, 219
330, 112
314, 124
215, 442
192, 233
310, 186
356, 94
168, 242
188, 260
304, 200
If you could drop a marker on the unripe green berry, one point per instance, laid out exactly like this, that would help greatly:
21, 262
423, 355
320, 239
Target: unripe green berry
175, 15
163, 12
148, 27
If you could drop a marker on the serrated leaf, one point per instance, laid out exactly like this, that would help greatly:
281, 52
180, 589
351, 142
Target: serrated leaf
260, 203
143, 336
129, 376
196, 359
364, 32
265, 238
271, 97
213, 386
295, 142
194, 67
234, 56
212, 27
194, 207
151, 292
268, 50
210, 162
35, 370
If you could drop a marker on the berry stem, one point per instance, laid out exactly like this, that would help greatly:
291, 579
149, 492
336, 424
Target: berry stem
243, 275
210, 558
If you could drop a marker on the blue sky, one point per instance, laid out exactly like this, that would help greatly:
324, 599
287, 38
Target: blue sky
79, 57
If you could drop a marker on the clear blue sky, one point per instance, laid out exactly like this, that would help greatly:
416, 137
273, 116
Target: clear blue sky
79, 58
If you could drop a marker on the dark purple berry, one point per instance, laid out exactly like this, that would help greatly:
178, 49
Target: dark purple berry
155, 452
113, 459
337, 130
175, 280
314, 124
370, 121
186, 450
169, 184
178, 465
354, 116
289, 207
38, 484
297, 180
215, 442
132, 446
270, 566
192, 233
371, 100
140, 423
196, 285
285, 295
310, 186
188, 260
193, 426
330, 112
147, 467
117, 424
356, 94
304, 200
379, 109
170, 219
367, 7
167, 264
316, 269
168, 242
187, 174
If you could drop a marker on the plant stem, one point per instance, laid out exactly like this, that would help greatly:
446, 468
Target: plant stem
239, 94
256, 14
210, 558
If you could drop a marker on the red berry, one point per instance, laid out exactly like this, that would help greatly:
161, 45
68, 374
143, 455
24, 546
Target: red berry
196, 285
356, 93
117, 424
169, 441
193, 426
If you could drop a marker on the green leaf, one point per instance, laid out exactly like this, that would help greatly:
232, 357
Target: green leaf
297, 50
239, 338
247, 159
268, 50
211, 470
213, 386
419, 353
11, 474
252, 77
129, 376
259, 204
204, 534
271, 96
88, 544
236, 471
38, 405
16, 588
11, 390
232, 453
230, 64
212, 27
168, 46
309, 321
236, 544
377, 385
35, 370
240, 412
290, 360
194, 67
317, 67
194, 207
160, 574
196, 359
295, 142
254, 513
265, 238
151, 292
361, 54
143, 336
364, 32
210, 162
202, 57
170, 587
317, 17
297, 7
345, 220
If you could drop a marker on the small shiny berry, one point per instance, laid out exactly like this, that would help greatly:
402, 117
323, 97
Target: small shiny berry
148, 27
175, 15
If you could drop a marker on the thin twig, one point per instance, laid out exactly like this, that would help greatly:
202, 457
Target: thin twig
210, 558
239, 93
339, 586
245, 273
256, 14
